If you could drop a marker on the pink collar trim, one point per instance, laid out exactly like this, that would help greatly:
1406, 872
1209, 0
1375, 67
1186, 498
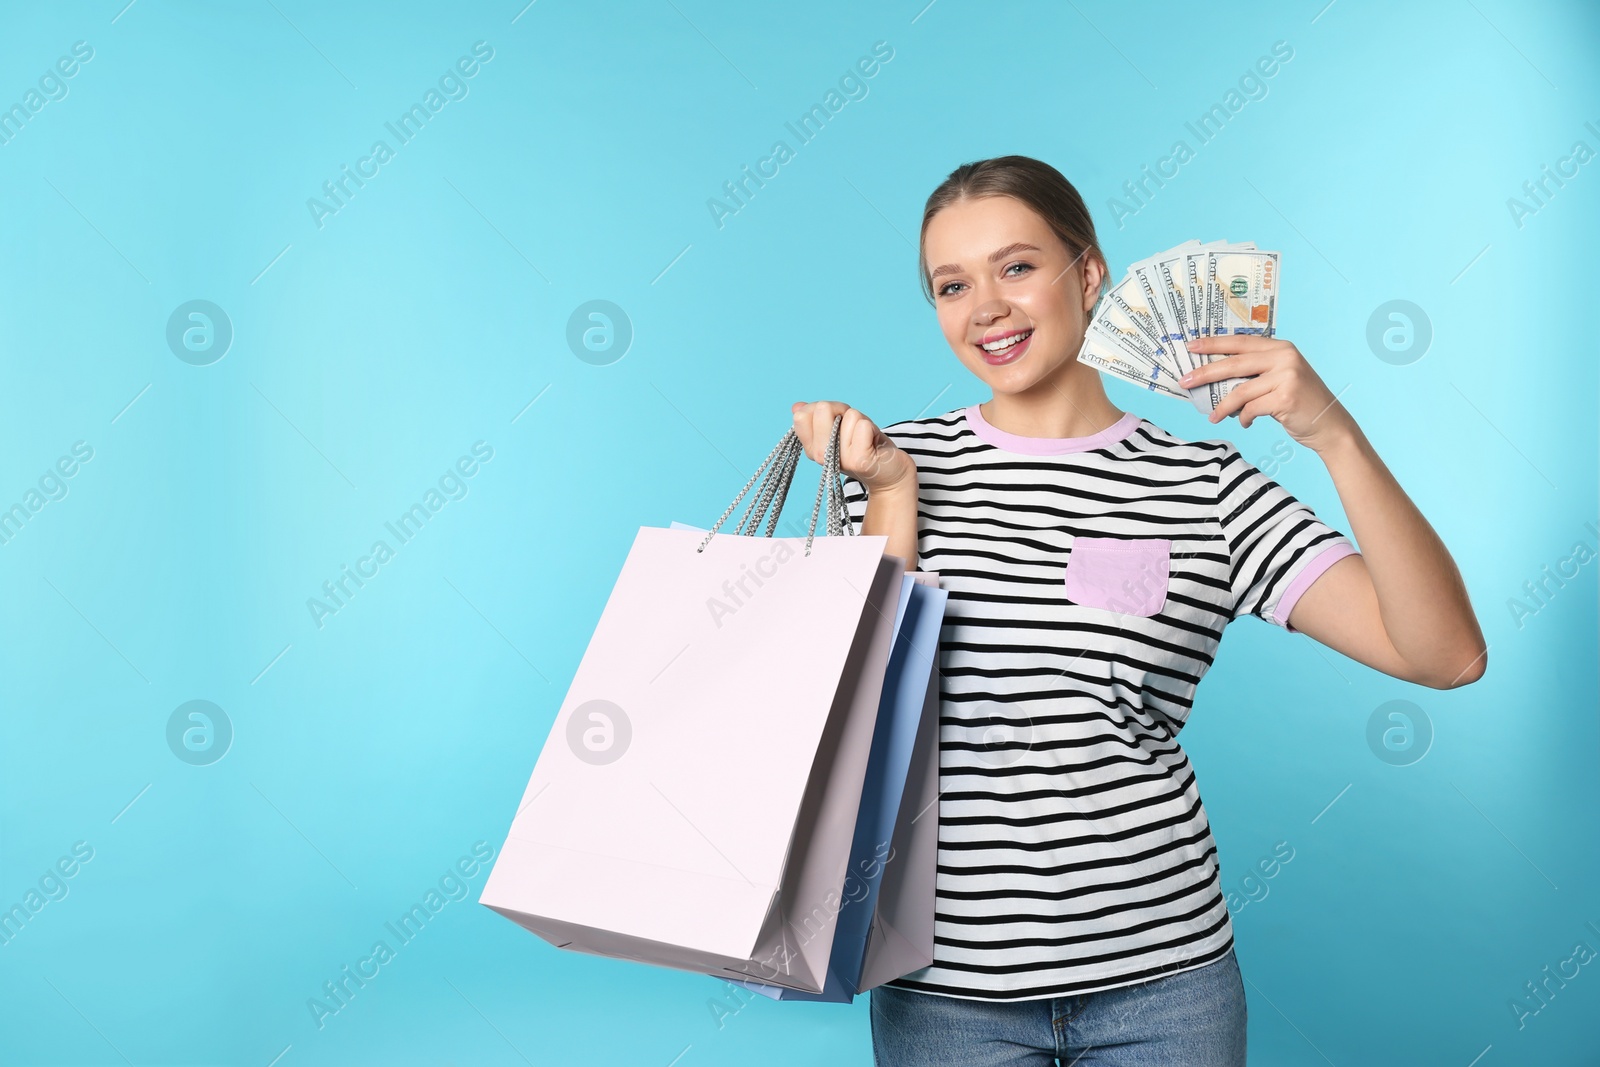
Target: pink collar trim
1048, 446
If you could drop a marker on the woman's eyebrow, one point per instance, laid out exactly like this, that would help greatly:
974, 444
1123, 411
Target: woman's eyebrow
997, 254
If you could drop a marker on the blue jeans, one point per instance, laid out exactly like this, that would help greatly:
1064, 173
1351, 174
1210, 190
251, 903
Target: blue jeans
1190, 1019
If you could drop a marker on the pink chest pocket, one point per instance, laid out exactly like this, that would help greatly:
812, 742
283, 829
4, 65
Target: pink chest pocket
1127, 575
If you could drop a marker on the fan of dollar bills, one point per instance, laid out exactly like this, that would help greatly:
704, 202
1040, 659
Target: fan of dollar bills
1139, 328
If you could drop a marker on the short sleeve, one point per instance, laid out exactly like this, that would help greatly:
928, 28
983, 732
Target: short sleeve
1277, 547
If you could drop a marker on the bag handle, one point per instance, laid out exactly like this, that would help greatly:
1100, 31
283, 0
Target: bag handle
779, 467
774, 485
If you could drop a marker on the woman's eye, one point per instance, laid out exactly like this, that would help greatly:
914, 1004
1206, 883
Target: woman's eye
944, 290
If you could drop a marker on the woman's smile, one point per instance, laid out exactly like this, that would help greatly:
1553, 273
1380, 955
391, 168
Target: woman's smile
1006, 346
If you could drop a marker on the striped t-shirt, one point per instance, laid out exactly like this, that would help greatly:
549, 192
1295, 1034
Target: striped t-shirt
1089, 580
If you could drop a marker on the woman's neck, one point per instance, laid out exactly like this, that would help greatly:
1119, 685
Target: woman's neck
1073, 405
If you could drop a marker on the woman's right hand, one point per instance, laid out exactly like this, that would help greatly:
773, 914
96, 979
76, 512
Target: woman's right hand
865, 452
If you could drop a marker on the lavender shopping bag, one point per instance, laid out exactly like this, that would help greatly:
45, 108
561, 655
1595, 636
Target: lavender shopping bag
703, 775
902, 920
885, 923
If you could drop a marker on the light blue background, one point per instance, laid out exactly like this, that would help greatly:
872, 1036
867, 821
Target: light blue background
425, 316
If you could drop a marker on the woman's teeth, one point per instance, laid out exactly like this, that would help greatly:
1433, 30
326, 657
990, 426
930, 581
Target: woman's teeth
1005, 343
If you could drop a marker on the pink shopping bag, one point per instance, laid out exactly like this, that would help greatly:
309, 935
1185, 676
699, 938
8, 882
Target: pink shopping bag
698, 790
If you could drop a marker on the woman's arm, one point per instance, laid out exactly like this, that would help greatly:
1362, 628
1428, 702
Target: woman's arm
1400, 606
893, 511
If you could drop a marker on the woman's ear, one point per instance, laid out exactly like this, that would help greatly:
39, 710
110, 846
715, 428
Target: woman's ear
1094, 272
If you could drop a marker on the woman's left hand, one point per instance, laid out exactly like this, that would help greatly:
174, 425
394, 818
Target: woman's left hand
1280, 383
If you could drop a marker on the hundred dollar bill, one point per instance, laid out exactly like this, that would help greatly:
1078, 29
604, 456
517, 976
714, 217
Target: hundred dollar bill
1242, 292
1115, 326
1194, 290
1147, 275
1140, 331
1241, 298
1173, 288
1111, 361
1193, 283
1128, 297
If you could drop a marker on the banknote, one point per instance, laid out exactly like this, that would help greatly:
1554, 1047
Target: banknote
1114, 362
1119, 328
1150, 279
1195, 280
1127, 297
1140, 328
1241, 292
1172, 288
1241, 298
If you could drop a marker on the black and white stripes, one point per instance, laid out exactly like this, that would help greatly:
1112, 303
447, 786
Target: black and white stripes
1090, 580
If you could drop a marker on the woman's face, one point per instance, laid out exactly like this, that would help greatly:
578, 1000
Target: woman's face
999, 274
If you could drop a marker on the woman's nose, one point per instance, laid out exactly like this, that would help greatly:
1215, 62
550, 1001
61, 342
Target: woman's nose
990, 310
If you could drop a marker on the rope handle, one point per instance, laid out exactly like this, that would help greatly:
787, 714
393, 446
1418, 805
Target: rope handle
779, 468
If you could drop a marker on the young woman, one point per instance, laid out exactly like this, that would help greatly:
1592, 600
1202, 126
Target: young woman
1092, 560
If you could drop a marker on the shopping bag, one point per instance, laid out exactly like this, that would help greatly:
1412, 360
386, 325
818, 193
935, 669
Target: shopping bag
701, 782
901, 938
909, 680
885, 925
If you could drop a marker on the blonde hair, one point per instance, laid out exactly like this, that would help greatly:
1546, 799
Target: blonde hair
1035, 183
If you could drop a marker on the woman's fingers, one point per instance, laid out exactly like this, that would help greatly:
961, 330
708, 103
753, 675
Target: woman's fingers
857, 438
855, 435
807, 417
862, 455
866, 453
822, 428
860, 440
